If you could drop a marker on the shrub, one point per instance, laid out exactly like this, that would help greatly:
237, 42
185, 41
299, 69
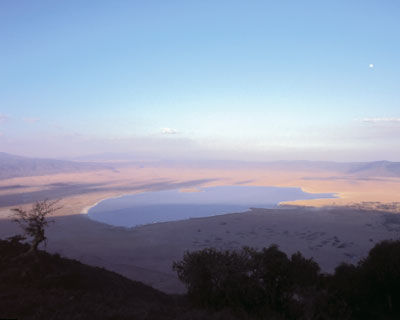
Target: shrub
34, 221
250, 280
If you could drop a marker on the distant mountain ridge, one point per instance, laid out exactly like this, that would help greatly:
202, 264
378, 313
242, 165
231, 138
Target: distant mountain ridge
12, 166
359, 169
344, 167
363, 169
18, 166
377, 168
356, 169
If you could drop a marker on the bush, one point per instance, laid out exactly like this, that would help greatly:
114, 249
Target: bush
213, 278
247, 280
267, 284
34, 221
380, 273
369, 290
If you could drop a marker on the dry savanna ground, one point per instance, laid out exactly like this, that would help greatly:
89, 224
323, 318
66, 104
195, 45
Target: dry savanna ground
78, 191
330, 234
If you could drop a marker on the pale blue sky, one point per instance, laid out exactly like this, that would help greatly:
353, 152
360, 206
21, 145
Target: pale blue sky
260, 80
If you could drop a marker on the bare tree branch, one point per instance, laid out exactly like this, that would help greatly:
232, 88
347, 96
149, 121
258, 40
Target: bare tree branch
34, 221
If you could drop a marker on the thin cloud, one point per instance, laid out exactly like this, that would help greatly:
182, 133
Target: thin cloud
169, 131
3, 118
381, 120
31, 120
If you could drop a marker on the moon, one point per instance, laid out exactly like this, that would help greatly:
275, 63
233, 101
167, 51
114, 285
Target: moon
371, 65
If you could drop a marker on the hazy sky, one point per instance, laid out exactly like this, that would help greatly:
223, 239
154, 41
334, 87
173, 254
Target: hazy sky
260, 80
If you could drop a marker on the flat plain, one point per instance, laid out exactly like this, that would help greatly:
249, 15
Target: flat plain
331, 231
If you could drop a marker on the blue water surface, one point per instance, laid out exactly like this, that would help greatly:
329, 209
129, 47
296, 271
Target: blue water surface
171, 205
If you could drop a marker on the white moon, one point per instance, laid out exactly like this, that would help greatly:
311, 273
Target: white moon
371, 65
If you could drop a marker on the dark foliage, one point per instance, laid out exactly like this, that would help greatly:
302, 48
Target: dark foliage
34, 221
45, 286
246, 284
259, 283
50, 287
214, 278
370, 290
267, 284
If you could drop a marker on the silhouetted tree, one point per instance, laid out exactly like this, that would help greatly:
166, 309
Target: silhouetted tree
261, 283
304, 272
340, 295
213, 278
271, 270
369, 290
34, 221
381, 277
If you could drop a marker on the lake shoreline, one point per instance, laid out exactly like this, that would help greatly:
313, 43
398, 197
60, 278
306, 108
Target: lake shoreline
144, 205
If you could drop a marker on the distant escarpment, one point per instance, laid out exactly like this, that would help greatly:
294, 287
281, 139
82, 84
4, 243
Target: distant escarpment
12, 166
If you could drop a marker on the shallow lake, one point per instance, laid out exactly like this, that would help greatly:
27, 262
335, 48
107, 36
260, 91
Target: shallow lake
171, 205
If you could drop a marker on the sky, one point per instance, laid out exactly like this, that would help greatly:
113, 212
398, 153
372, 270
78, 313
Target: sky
210, 79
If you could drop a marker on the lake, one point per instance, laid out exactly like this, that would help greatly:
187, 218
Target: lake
171, 205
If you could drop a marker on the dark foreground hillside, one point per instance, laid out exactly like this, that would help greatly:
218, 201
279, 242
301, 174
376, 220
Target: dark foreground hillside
245, 284
51, 287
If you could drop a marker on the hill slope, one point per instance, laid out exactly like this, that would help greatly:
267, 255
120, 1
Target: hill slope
16, 166
48, 286
377, 169
51, 287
